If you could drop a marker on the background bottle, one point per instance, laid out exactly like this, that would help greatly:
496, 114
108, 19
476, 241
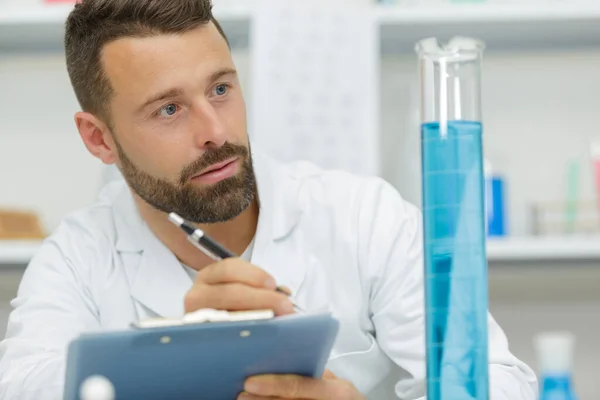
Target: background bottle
555, 359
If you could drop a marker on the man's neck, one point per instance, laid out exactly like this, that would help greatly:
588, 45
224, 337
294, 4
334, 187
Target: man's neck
235, 235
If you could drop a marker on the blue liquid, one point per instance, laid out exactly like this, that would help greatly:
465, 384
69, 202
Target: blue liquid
557, 388
455, 262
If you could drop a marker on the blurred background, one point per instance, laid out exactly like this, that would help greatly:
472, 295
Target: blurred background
337, 84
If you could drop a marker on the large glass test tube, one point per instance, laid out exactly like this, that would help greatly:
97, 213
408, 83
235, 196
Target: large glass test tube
454, 220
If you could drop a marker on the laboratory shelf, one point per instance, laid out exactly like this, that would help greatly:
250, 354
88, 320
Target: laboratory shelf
40, 28
536, 26
512, 26
18, 252
545, 249
521, 249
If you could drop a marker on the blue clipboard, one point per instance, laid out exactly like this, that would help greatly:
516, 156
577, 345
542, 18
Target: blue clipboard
200, 361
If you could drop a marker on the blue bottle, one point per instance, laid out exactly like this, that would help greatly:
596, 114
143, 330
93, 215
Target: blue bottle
555, 357
496, 223
454, 220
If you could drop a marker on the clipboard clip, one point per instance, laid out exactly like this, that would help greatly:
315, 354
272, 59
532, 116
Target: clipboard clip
203, 316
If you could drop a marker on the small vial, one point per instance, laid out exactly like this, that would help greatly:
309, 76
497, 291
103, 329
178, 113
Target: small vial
97, 388
555, 358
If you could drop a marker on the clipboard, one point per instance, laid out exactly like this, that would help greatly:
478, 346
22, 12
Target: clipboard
208, 360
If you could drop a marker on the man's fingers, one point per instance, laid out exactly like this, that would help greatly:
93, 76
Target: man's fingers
236, 270
236, 297
235, 285
285, 289
286, 386
299, 387
249, 396
329, 375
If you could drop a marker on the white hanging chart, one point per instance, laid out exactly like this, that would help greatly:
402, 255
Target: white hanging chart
315, 83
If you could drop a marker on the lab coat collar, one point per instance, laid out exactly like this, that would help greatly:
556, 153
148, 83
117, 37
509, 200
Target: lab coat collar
128, 222
158, 281
280, 213
279, 208
161, 283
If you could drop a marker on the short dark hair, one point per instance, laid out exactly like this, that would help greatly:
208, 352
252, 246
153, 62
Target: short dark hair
94, 23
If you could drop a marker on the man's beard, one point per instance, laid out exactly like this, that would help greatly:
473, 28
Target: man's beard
216, 203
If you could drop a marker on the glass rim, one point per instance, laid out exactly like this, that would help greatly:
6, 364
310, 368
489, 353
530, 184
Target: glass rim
458, 48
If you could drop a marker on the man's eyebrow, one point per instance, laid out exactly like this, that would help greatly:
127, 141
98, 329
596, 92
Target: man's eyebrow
221, 73
167, 94
176, 92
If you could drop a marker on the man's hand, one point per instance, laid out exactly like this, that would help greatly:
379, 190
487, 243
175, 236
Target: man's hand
235, 285
275, 387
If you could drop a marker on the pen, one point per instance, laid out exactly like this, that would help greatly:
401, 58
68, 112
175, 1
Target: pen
197, 237
209, 246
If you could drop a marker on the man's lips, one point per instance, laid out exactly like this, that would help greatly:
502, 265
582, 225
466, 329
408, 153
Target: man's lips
215, 167
218, 172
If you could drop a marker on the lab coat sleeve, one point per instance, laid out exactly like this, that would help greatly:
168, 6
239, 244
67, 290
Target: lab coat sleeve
52, 307
392, 250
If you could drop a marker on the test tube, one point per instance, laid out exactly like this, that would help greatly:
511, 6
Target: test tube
456, 290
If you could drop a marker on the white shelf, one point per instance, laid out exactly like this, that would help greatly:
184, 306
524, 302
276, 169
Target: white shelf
12, 15
503, 27
41, 28
17, 252
502, 250
460, 13
57, 13
544, 249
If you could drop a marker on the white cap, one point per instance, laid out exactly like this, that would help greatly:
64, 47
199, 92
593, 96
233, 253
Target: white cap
555, 352
176, 219
97, 388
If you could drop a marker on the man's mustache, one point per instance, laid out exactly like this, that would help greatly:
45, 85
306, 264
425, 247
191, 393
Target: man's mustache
211, 157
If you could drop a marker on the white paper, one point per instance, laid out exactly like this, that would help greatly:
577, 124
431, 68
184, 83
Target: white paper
315, 83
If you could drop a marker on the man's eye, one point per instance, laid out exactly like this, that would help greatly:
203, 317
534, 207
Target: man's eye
221, 90
168, 110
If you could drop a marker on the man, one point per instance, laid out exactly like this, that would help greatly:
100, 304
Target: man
161, 100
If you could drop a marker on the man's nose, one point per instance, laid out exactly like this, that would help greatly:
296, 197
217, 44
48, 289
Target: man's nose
207, 127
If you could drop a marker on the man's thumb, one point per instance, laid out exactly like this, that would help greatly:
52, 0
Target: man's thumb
329, 375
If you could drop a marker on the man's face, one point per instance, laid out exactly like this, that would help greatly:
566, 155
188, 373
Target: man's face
179, 123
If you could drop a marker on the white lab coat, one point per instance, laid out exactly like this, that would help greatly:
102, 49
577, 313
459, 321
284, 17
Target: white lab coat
342, 243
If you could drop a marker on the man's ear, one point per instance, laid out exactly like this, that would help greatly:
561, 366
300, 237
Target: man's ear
97, 137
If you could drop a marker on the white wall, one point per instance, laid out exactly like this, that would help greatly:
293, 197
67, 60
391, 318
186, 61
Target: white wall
43, 164
529, 299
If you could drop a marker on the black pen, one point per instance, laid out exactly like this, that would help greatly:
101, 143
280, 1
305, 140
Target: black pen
197, 237
210, 247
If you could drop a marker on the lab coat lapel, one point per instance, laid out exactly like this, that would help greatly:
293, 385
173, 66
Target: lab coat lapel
161, 282
158, 280
279, 216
